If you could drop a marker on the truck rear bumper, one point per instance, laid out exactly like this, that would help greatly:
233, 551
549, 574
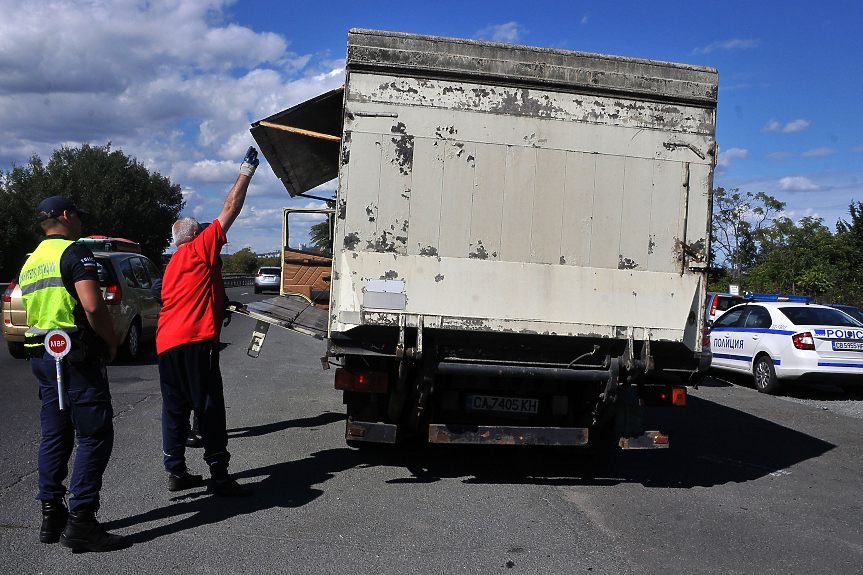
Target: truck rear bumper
483, 434
370, 432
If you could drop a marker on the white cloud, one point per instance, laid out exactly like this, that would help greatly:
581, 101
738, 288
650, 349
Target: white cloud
725, 158
795, 126
509, 32
584, 19
823, 151
796, 184
733, 44
170, 82
857, 149
728, 155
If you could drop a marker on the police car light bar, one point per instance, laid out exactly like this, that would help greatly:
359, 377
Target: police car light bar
778, 297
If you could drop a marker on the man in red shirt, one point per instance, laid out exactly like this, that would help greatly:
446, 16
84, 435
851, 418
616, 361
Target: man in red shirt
187, 341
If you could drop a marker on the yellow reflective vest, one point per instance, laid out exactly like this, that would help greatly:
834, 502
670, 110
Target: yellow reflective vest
47, 302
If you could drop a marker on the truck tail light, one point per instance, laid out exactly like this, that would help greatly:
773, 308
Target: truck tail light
705, 339
113, 294
362, 381
7, 295
661, 395
803, 340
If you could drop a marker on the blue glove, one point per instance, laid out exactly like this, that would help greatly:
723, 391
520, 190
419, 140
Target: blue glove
250, 162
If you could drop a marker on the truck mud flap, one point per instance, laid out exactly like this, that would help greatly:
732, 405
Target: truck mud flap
292, 312
370, 432
647, 440
482, 434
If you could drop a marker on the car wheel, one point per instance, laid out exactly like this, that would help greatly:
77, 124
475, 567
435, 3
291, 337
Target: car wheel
257, 290
132, 345
765, 376
17, 349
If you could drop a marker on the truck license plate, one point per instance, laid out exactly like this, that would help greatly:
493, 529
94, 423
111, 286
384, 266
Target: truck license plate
848, 345
506, 404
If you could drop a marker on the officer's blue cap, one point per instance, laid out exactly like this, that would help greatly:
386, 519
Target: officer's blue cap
55, 206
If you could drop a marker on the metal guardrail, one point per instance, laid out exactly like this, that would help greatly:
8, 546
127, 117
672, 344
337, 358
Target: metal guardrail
237, 280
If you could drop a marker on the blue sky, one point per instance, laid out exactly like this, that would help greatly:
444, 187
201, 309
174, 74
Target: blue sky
176, 83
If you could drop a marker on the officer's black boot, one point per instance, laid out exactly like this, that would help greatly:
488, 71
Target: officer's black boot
54, 516
84, 533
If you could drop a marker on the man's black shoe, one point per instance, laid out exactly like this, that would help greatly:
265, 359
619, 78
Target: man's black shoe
184, 481
193, 440
228, 487
84, 533
54, 517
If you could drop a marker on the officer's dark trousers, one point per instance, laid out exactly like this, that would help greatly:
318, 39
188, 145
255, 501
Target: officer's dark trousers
191, 381
89, 416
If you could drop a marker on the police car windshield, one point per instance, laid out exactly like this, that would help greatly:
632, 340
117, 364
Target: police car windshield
818, 316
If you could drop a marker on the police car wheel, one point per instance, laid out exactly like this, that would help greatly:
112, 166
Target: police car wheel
765, 376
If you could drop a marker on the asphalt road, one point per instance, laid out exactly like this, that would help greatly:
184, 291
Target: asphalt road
751, 484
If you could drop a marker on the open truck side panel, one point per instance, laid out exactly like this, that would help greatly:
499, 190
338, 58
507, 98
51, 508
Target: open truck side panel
520, 233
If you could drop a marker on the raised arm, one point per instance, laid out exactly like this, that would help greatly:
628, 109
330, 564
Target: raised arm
237, 196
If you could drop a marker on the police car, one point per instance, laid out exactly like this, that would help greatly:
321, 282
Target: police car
786, 341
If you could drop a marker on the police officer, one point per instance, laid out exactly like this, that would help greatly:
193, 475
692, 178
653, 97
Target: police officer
60, 290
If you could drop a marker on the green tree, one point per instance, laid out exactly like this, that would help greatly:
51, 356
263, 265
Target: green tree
244, 262
796, 259
739, 219
123, 197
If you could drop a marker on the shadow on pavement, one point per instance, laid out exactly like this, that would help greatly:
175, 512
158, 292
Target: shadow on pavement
713, 445
318, 420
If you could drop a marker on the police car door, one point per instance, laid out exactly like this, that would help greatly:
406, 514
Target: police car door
726, 342
754, 325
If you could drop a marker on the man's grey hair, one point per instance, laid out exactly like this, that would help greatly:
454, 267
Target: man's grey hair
184, 230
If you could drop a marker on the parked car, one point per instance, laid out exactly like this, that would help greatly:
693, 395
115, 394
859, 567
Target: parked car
125, 279
14, 320
268, 278
854, 312
787, 341
719, 303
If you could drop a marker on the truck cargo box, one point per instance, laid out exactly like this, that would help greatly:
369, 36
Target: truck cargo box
501, 188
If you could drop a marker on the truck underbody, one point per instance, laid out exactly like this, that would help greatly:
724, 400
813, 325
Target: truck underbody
401, 384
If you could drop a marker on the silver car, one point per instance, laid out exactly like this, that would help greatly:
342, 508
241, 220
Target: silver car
125, 279
268, 279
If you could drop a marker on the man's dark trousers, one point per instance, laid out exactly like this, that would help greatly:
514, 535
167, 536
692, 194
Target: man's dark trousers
191, 381
89, 413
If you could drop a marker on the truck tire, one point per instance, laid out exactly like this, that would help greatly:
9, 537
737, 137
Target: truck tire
765, 375
16, 349
131, 347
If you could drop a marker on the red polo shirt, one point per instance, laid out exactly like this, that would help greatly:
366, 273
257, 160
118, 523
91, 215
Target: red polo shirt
193, 294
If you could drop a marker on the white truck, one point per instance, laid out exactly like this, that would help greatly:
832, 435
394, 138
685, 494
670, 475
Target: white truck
519, 235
